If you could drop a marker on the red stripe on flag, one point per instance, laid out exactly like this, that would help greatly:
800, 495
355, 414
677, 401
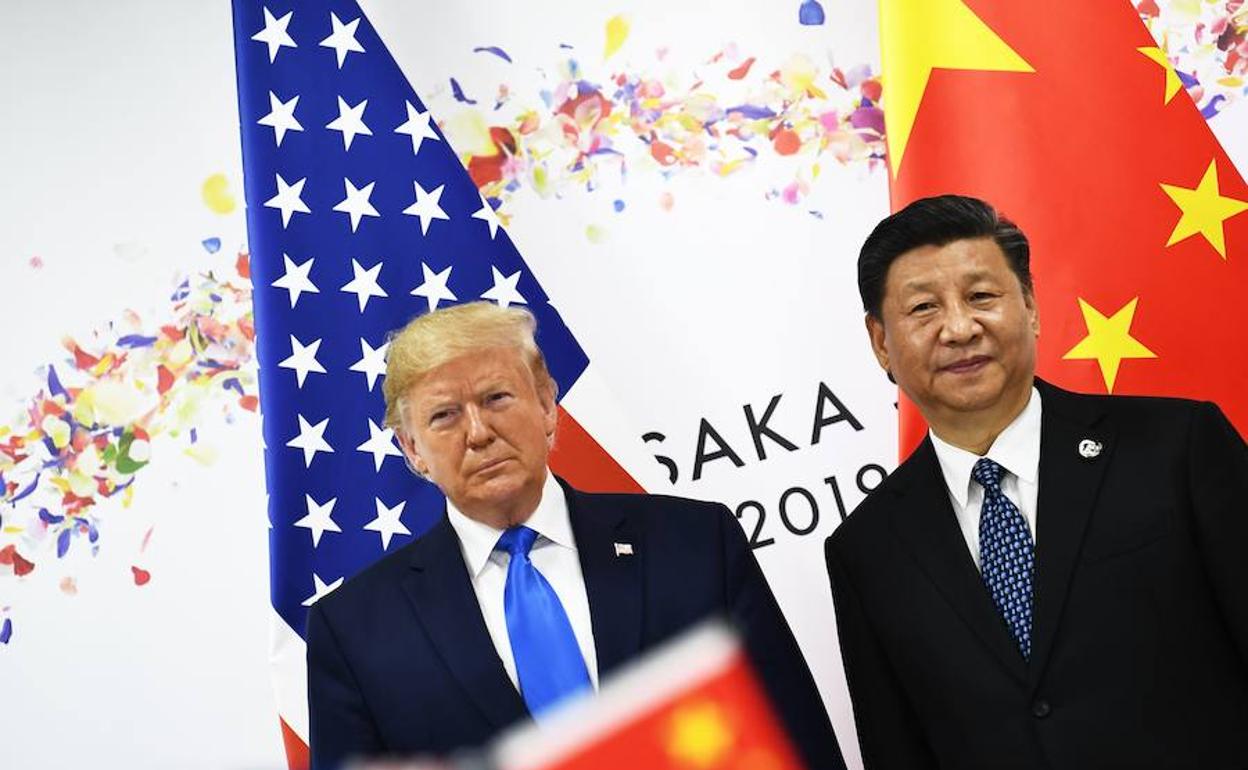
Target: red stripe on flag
581, 460
296, 750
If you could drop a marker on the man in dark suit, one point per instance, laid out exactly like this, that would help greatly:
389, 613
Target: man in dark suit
528, 591
1051, 580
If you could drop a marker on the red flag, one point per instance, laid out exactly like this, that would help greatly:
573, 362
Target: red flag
1071, 121
694, 705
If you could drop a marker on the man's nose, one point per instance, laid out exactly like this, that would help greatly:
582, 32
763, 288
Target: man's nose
960, 325
480, 433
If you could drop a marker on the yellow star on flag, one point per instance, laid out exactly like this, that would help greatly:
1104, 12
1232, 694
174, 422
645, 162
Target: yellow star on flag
699, 735
1109, 340
1204, 209
1173, 84
918, 36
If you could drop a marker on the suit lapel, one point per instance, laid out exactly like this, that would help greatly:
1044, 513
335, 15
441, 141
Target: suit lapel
925, 521
612, 582
441, 592
1067, 494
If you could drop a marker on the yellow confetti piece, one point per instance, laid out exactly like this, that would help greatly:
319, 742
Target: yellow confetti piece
1232, 82
13, 529
217, 195
127, 497
201, 453
595, 234
57, 430
472, 134
617, 33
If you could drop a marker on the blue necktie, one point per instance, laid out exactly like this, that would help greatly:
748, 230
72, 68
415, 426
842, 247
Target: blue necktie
549, 664
1006, 555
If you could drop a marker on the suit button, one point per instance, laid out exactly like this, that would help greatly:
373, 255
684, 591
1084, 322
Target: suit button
1041, 709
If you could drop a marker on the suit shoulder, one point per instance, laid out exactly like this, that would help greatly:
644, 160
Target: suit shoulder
644, 504
870, 517
366, 583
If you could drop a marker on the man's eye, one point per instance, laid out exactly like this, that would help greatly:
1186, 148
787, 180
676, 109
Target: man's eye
495, 398
922, 307
982, 296
442, 415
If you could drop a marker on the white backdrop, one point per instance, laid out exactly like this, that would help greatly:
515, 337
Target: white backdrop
116, 116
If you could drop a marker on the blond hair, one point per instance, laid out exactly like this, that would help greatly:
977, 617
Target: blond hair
430, 340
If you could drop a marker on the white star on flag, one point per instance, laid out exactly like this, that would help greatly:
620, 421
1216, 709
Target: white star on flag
288, 199
320, 590
372, 362
274, 33
281, 117
319, 519
380, 444
487, 214
342, 40
504, 290
434, 287
364, 285
350, 122
302, 359
417, 127
311, 439
356, 203
296, 279
387, 523
426, 207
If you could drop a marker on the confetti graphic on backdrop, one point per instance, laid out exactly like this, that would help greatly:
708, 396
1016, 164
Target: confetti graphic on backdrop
116, 399
112, 403
1207, 43
593, 122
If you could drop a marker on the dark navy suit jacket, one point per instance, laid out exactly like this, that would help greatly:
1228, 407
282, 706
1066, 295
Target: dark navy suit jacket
1140, 626
400, 661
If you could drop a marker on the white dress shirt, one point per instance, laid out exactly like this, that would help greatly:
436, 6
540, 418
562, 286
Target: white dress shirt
555, 556
1017, 450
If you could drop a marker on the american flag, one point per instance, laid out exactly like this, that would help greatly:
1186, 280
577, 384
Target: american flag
360, 217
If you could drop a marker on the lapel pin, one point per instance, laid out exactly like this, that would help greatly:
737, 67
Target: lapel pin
1089, 449
623, 549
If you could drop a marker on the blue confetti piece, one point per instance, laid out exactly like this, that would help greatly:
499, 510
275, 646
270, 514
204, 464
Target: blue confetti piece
136, 341
6, 631
234, 385
93, 534
182, 292
500, 53
816, 214
54, 383
458, 93
194, 436
752, 112
31, 486
1213, 106
50, 518
211, 245
567, 47
62, 543
618, 206
810, 13
1188, 80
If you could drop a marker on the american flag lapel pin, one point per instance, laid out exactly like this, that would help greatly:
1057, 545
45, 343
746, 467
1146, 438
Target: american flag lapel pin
623, 549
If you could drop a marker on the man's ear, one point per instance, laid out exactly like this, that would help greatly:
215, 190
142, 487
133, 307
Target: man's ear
411, 452
875, 332
547, 393
1029, 299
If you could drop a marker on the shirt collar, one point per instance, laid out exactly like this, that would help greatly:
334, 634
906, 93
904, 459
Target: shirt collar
550, 520
1017, 449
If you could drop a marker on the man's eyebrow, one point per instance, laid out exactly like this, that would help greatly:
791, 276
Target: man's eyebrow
920, 285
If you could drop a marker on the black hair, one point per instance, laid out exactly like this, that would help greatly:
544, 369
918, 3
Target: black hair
937, 221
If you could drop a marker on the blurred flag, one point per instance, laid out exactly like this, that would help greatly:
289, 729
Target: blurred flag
360, 216
693, 705
1072, 121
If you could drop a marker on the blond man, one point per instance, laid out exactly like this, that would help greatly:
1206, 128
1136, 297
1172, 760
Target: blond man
528, 592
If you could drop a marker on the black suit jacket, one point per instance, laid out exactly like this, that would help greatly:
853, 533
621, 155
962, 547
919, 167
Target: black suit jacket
400, 661
1140, 625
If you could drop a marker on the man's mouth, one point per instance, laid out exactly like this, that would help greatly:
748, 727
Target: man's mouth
966, 365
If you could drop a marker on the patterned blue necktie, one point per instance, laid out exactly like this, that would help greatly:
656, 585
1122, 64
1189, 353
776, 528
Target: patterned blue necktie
1006, 555
549, 664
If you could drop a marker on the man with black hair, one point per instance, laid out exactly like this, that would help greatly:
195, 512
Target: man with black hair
1051, 580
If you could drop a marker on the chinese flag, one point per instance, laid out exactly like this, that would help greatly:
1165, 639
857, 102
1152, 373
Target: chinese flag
694, 706
1069, 119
